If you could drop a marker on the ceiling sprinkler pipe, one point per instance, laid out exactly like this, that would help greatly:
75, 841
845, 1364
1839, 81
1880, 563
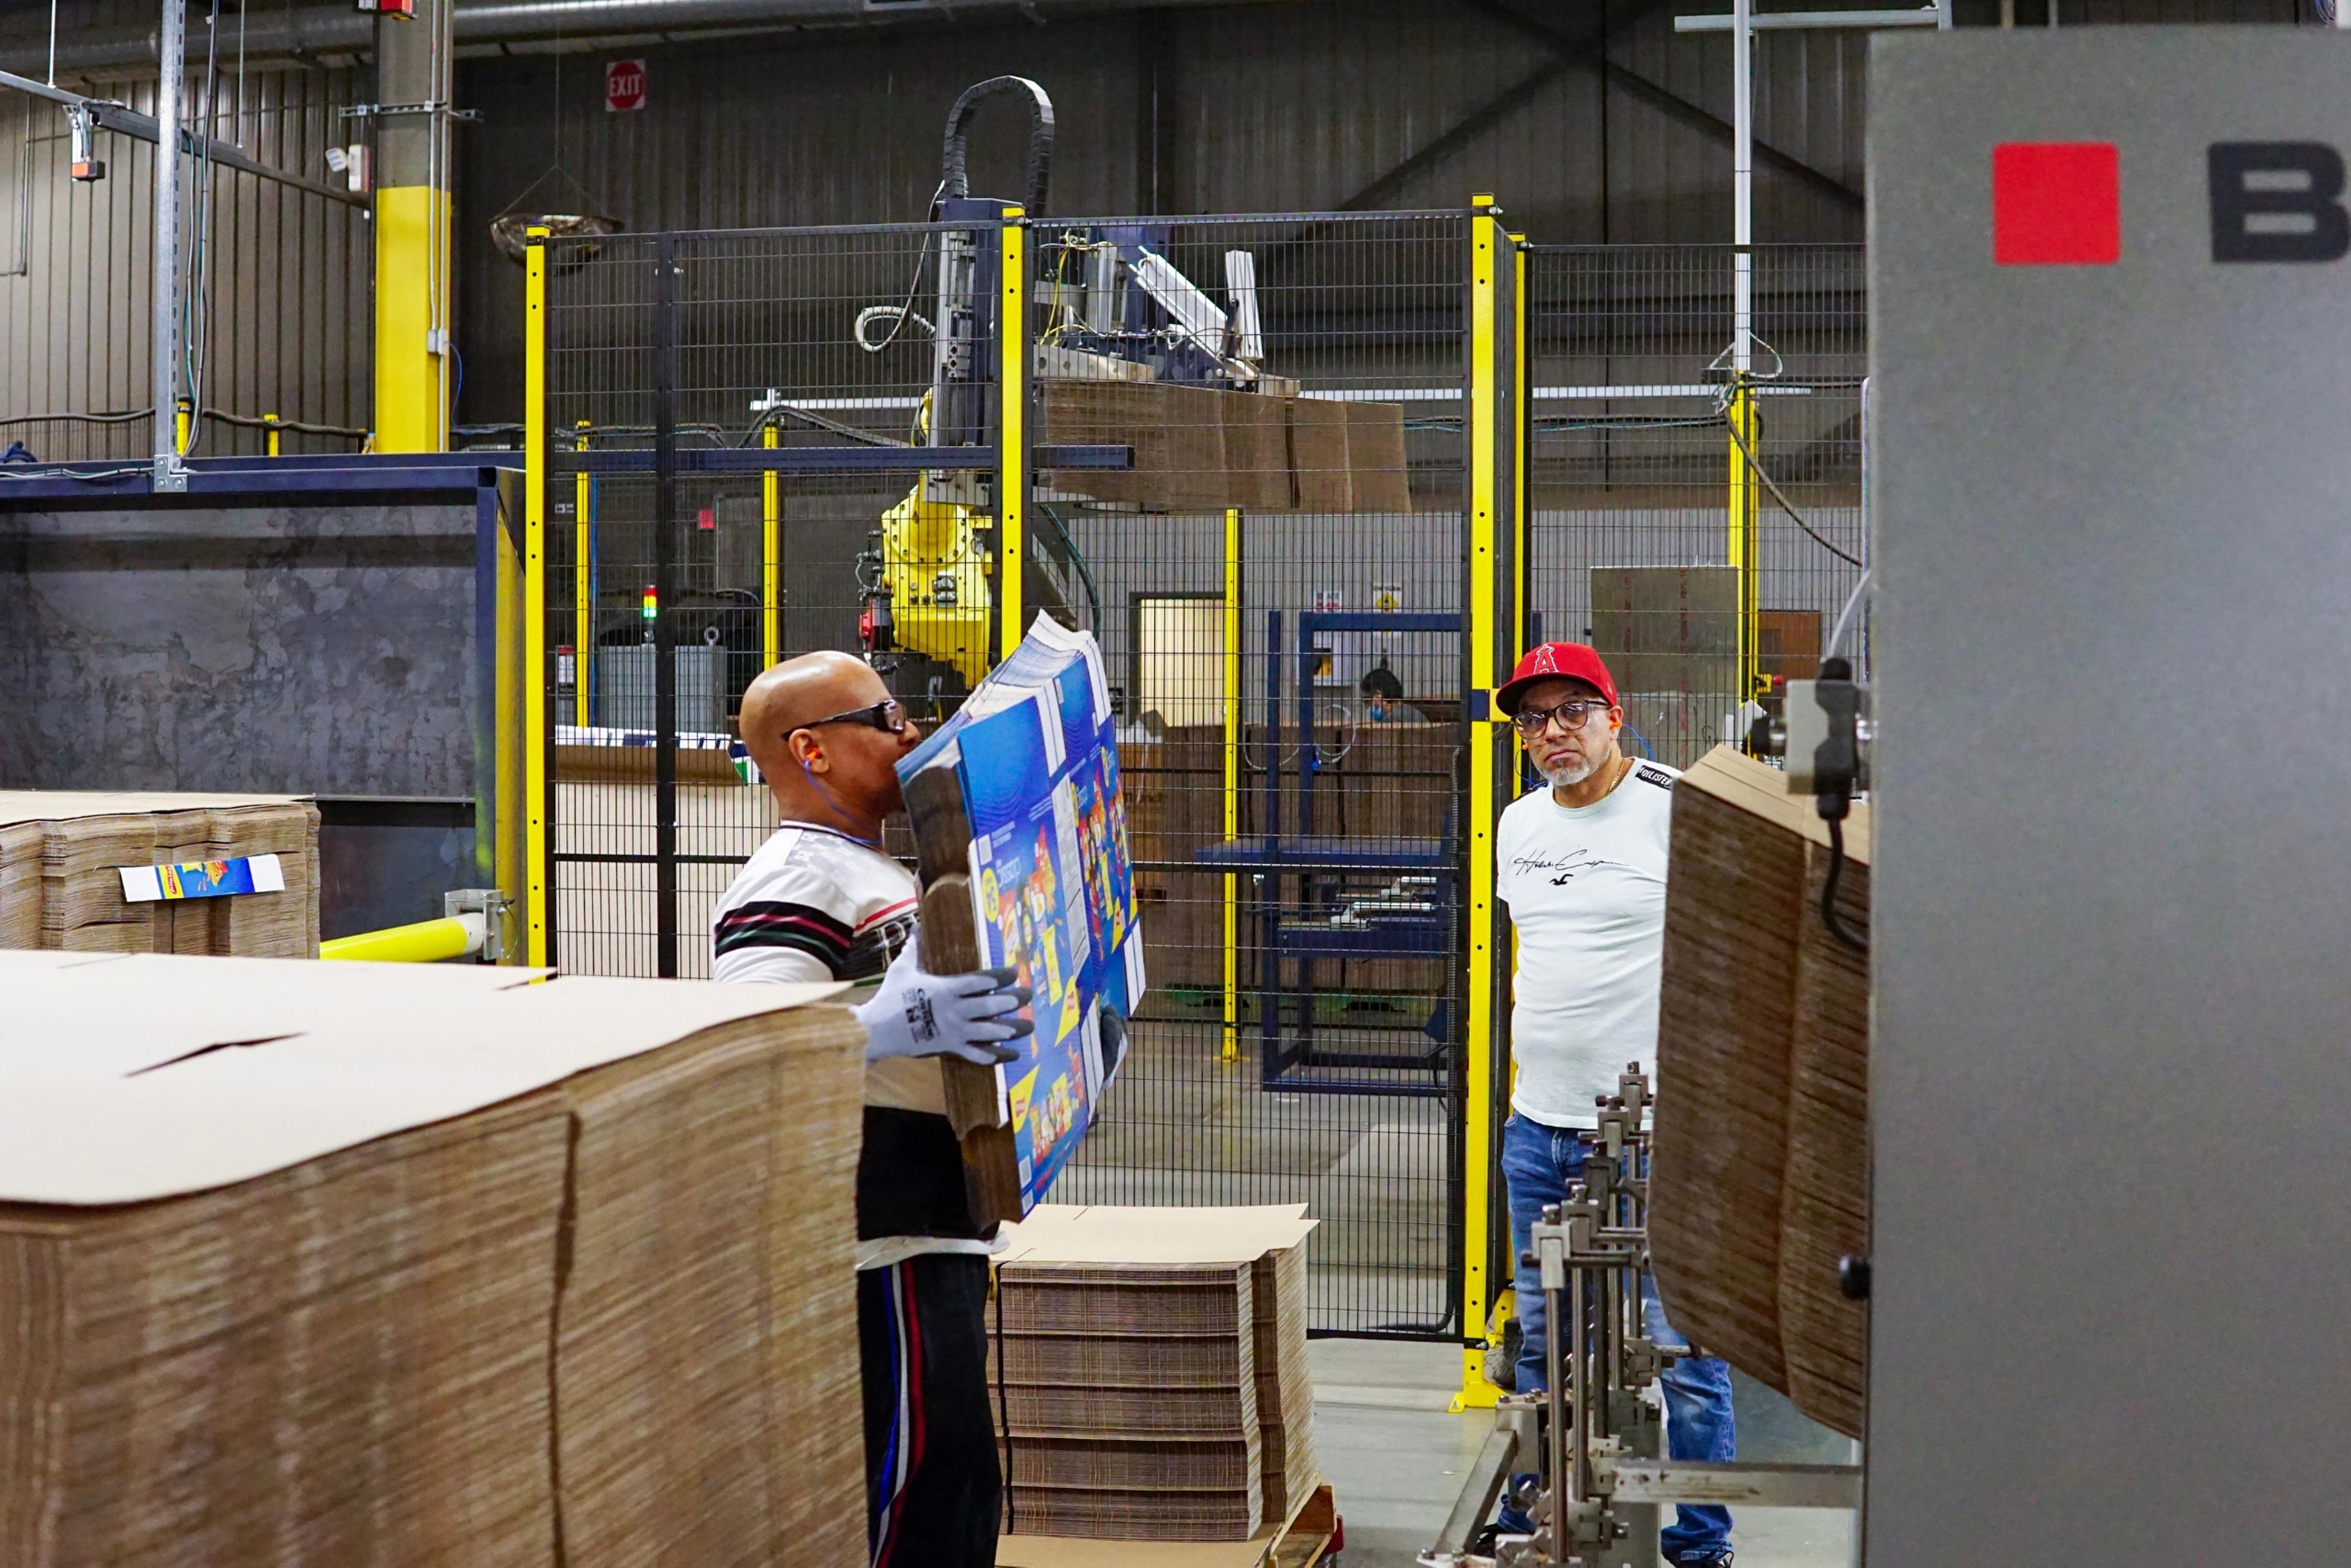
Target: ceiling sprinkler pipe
314, 31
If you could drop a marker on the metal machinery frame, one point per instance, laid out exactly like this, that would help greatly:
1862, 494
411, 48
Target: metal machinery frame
1593, 1441
500, 632
1412, 915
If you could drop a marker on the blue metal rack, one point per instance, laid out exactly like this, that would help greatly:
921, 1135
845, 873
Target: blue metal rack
1305, 933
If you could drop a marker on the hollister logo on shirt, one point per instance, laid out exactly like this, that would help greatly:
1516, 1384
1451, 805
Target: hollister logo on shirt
1560, 869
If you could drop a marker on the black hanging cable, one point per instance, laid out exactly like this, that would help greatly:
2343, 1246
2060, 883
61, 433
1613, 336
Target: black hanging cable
1829, 889
1771, 486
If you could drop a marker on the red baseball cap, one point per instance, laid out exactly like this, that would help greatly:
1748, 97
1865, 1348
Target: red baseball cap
1575, 661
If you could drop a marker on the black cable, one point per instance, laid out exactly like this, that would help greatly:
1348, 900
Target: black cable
914, 284
1829, 887
102, 477
1758, 469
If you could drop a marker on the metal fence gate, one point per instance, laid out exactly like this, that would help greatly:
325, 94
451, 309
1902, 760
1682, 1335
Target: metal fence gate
726, 426
1280, 587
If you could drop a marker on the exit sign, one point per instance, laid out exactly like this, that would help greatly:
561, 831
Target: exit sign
624, 85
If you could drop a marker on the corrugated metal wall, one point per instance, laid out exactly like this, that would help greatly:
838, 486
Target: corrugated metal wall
1269, 107
1385, 103
1242, 109
291, 307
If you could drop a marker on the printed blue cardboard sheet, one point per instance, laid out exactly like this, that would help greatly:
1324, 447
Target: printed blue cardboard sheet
1052, 878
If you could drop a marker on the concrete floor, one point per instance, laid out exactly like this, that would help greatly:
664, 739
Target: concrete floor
1395, 1460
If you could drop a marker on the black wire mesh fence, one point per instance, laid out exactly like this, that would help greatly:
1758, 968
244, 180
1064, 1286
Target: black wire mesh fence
1278, 584
1633, 462
736, 479
772, 442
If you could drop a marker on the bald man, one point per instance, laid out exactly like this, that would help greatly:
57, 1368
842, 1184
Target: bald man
820, 901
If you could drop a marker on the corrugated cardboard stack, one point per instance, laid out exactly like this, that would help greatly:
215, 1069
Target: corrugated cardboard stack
1285, 1386
328, 1264
1153, 1383
1201, 448
20, 884
83, 840
1760, 1181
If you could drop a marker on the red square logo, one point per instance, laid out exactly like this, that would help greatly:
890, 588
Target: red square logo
2057, 204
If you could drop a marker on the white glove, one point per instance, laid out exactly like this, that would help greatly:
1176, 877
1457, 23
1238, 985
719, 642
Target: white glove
917, 1013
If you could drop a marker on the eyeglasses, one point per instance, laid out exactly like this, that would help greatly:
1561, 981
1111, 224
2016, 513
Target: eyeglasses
885, 716
1570, 713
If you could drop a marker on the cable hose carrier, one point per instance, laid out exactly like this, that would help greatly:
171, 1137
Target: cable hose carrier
954, 182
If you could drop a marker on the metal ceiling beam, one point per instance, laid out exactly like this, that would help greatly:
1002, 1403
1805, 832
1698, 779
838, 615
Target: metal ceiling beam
127, 122
1671, 103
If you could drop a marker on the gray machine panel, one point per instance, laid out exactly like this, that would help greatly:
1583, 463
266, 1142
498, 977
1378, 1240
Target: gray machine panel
315, 650
2112, 1076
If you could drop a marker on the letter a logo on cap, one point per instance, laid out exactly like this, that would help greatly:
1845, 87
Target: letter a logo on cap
2057, 204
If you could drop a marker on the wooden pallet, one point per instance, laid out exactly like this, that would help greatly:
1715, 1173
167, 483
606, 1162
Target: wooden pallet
1298, 1541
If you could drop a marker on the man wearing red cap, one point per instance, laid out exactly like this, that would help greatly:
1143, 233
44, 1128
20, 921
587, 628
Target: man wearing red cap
1582, 867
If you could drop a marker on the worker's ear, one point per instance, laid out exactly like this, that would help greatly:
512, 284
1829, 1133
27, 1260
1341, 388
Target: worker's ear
808, 751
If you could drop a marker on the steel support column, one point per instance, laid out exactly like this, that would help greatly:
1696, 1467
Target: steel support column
411, 230
165, 290
666, 515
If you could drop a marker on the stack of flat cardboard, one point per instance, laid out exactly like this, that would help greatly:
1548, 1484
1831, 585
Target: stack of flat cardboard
1285, 1385
20, 884
1199, 448
79, 844
1761, 1182
326, 1264
1154, 1384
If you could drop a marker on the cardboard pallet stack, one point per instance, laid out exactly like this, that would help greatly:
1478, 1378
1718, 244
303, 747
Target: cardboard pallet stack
353, 1264
1761, 1182
62, 855
1196, 448
1285, 1385
1153, 1383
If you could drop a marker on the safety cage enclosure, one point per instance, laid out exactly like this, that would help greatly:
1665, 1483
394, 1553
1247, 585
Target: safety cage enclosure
1314, 480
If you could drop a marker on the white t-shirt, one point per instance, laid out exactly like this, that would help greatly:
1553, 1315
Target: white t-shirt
813, 904
1587, 889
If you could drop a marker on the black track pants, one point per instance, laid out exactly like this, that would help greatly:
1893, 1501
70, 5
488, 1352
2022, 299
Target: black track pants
931, 1486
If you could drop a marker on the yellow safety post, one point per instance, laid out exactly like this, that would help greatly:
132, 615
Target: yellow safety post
1011, 429
511, 702
426, 942
583, 582
269, 433
183, 423
1232, 673
1487, 407
771, 562
1741, 544
534, 595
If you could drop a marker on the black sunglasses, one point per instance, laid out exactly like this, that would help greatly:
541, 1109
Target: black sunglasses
885, 716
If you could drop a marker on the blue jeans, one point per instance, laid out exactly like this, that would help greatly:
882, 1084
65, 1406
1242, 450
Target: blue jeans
1540, 1164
